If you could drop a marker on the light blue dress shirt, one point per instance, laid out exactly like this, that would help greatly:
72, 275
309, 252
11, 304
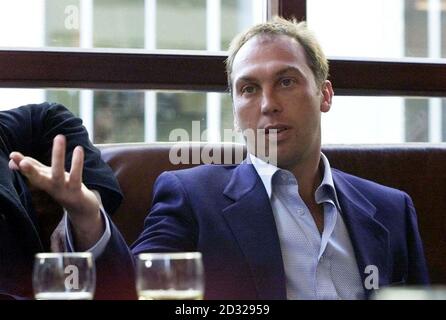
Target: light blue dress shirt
316, 267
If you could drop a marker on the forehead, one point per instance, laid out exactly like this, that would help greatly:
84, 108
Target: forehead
263, 51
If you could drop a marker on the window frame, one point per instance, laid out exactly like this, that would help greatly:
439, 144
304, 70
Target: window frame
112, 69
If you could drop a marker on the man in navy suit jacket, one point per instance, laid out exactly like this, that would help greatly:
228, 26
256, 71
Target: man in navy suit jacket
293, 228
31, 136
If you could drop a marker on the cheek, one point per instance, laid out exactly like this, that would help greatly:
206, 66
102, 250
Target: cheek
246, 115
308, 106
305, 115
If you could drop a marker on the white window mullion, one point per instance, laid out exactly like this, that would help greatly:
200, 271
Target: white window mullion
434, 51
435, 120
150, 98
263, 10
86, 111
213, 40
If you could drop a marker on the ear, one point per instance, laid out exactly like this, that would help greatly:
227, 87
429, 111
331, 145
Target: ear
327, 96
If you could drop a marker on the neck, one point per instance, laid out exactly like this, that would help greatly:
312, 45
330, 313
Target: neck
308, 177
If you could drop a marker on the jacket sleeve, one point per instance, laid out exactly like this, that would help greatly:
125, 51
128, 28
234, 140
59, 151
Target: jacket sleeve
170, 225
31, 129
115, 276
417, 271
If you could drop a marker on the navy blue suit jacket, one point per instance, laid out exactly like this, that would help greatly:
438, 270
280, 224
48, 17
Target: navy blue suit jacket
30, 129
224, 212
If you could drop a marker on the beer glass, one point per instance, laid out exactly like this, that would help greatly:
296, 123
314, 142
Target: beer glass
170, 276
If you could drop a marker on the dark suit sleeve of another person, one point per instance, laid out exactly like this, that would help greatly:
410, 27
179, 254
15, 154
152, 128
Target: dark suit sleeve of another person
30, 130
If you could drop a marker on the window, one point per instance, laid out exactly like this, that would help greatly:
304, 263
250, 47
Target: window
133, 26
130, 24
384, 119
129, 55
119, 116
387, 29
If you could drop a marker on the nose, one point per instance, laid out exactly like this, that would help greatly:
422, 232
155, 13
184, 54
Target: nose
270, 102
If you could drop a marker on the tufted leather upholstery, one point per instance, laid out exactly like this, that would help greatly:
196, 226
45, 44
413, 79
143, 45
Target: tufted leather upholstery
418, 169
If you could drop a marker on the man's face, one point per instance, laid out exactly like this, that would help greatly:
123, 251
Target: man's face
274, 88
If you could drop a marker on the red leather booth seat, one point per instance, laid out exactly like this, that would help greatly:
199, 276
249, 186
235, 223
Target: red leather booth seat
418, 169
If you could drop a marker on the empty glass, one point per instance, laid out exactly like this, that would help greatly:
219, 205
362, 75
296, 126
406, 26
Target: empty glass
170, 276
64, 276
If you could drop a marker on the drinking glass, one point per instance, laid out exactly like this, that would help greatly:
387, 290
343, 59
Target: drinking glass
411, 292
64, 276
170, 276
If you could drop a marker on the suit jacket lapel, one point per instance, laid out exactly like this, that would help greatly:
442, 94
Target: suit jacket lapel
251, 219
370, 239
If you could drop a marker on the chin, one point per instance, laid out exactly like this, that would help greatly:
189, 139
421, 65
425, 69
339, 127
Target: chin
288, 161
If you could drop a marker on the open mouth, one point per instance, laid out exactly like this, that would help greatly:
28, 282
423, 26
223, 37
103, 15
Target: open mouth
276, 130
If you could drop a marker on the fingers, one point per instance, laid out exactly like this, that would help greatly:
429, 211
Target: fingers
38, 174
27, 165
77, 165
58, 159
15, 157
63, 187
12, 165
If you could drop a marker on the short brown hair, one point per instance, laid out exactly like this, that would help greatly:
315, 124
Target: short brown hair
316, 59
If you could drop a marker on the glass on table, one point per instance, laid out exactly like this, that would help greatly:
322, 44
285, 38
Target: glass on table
411, 292
64, 276
170, 276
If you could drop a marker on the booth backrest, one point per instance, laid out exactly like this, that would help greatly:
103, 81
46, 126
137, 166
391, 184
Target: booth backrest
418, 169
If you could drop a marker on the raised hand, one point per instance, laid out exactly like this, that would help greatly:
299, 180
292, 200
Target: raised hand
66, 188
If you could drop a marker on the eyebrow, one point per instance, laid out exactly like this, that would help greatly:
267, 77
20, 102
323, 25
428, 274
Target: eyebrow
244, 79
281, 72
290, 69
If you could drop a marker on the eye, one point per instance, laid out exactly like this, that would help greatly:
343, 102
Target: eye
249, 89
287, 82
